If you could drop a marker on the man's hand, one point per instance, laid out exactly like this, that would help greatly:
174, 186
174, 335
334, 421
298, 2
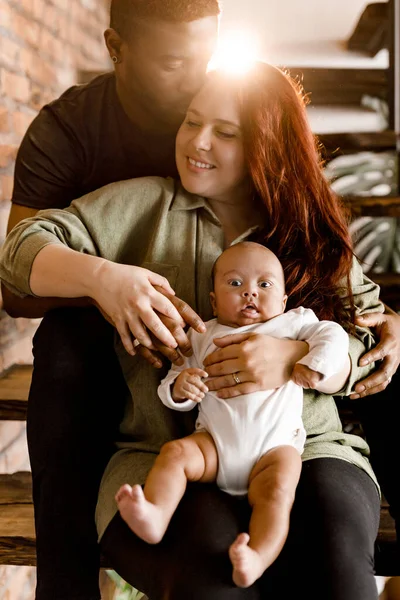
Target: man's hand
189, 386
387, 328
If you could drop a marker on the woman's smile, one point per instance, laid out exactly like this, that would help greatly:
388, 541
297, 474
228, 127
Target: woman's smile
198, 166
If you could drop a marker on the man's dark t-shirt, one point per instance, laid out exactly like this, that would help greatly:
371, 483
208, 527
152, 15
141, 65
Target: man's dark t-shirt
82, 141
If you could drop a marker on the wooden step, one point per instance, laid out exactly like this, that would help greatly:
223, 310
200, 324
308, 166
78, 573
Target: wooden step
17, 533
17, 529
14, 390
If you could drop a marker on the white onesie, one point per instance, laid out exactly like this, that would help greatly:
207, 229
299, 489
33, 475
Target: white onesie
246, 427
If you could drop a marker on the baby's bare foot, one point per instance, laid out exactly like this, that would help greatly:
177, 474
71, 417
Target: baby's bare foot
145, 519
247, 563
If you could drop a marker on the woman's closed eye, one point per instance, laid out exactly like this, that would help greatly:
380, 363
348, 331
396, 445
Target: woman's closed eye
191, 123
226, 135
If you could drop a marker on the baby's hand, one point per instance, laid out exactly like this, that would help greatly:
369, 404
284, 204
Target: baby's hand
189, 386
306, 377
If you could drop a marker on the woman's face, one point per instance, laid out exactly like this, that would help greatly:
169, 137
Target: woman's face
209, 146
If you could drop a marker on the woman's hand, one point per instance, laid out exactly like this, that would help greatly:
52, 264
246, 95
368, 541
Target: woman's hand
260, 362
189, 317
387, 328
127, 296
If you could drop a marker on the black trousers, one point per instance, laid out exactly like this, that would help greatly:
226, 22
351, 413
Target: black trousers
380, 418
76, 402
329, 552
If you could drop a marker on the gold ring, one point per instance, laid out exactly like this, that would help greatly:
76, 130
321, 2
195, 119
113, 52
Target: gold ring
236, 378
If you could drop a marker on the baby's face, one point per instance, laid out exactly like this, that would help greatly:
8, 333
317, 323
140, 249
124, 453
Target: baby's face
249, 286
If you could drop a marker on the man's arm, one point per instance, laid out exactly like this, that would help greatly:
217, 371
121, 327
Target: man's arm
18, 213
30, 307
49, 163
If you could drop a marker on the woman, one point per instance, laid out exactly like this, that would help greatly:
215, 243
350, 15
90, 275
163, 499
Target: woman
249, 168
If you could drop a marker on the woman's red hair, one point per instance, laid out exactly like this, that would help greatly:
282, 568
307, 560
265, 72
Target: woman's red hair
306, 224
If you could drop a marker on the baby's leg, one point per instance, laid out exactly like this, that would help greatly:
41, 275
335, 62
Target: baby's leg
272, 487
149, 511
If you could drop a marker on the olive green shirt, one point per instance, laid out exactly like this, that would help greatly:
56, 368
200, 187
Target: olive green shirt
154, 223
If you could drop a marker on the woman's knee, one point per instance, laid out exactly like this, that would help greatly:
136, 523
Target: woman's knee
210, 581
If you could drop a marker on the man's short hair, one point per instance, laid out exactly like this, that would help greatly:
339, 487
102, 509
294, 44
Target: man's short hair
124, 12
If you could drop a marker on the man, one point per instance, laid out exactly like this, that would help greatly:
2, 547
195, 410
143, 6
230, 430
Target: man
119, 126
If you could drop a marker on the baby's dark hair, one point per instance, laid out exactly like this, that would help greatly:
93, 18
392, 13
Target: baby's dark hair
123, 13
245, 244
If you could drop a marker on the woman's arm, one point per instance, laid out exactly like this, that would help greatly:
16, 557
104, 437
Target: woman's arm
30, 307
63, 253
59, 271
125, 293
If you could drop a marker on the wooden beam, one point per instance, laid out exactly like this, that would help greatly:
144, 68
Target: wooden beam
337, 144
330, 86
373, 206
14, 391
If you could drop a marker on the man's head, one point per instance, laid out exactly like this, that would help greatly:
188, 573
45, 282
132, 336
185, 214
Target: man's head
249, 285
162, 49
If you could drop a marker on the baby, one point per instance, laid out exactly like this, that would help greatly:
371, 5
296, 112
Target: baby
250, 444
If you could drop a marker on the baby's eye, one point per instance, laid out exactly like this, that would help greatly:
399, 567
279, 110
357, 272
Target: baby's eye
235, 282
264, 284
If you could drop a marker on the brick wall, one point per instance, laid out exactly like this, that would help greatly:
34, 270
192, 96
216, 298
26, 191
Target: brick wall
43, 45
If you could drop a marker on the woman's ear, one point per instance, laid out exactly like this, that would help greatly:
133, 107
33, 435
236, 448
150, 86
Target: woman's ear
213, 303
